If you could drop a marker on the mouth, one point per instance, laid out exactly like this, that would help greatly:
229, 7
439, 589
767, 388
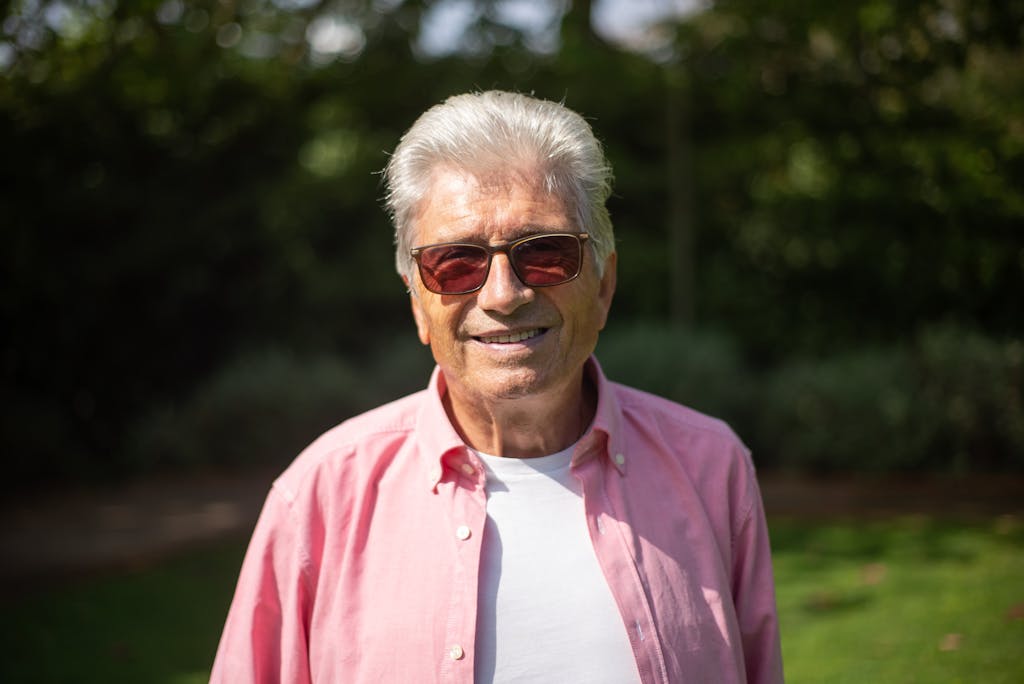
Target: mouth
511, 338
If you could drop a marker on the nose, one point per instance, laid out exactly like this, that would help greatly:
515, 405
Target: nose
503, 292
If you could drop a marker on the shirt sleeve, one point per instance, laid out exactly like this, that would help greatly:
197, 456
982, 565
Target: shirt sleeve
265, 638
754, 592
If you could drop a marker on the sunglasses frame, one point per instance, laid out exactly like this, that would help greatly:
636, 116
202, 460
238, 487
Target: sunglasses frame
501, 248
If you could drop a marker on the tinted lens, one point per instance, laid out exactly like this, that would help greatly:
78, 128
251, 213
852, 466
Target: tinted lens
452, 269
547, 259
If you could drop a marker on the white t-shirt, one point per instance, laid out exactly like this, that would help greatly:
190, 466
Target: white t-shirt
545, 611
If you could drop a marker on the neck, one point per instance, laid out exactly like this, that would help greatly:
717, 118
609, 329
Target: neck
524, 427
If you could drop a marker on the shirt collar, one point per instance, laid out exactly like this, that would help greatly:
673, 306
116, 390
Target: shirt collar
438, 440
442, 445
605, 436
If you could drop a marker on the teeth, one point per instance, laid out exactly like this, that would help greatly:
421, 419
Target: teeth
514, 337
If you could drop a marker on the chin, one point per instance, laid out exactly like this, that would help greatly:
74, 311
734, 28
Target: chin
512, 384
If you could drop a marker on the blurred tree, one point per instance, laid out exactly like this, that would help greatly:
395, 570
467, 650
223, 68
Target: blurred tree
188, 180
180, 182
859, 167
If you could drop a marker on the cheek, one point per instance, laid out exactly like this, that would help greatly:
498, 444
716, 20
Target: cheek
420, 317
438, 326
588, 320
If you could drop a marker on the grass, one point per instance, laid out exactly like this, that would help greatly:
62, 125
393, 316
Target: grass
906, 600
157, 625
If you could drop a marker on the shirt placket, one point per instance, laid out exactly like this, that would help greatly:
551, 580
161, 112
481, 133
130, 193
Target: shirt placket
462, 485
618, 563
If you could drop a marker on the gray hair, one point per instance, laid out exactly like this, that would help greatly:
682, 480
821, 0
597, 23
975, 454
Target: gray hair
494, 133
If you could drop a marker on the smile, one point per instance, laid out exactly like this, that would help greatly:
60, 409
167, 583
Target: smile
511, 338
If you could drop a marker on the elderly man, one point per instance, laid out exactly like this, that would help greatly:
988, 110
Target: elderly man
522, 519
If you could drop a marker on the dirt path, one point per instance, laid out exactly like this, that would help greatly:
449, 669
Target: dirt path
67, 533
881, 497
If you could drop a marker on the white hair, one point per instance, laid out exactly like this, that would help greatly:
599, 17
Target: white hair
500, 134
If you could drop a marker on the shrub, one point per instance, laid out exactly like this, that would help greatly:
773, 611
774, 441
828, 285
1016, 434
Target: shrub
259, 409
264, 407
972, 390
701, 369
855, 412
949, 402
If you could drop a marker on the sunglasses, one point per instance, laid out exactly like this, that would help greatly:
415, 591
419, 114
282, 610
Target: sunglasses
543, 260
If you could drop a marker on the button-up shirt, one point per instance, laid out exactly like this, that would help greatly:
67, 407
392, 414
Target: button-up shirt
364, 564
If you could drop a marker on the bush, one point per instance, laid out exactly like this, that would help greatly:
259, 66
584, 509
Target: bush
855, 412
950, 402
701, 369
972, 390
265, 407
257, 410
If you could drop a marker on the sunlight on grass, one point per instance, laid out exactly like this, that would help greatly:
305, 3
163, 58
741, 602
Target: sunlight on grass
192, 678
906, 600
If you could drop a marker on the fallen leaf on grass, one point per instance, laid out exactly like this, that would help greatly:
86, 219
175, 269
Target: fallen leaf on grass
873, 573
1015, 613
1007, 524
826, 601
951, 642
821, 601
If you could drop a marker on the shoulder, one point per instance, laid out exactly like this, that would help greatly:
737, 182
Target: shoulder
685, 445
352, 450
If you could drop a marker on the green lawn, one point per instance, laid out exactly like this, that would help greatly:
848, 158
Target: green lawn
908, 600
155, 625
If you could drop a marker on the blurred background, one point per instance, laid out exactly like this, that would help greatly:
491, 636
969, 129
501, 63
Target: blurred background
819, 210
820, 215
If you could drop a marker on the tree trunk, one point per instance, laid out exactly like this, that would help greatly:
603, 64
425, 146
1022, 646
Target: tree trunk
681, 225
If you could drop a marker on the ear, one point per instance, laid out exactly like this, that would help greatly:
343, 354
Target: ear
422, 329
606, 289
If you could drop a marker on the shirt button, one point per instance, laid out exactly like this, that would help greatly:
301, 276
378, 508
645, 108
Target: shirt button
620, 459
468, 469
462, 532
456, 652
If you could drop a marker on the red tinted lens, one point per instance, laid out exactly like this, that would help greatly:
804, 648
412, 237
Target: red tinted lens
453, 269
547, 259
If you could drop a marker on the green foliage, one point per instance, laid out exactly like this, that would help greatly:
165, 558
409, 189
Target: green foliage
184, 181
853, 412
168, 203
952, 401
974, 388
702, 370
852, 166
260, 409
264, 408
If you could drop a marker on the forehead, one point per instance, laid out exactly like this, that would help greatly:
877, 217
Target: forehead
463, 206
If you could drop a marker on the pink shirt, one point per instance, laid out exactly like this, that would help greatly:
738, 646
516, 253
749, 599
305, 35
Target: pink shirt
363, 565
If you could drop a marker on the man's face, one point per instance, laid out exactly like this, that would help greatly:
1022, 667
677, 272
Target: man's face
506, 340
